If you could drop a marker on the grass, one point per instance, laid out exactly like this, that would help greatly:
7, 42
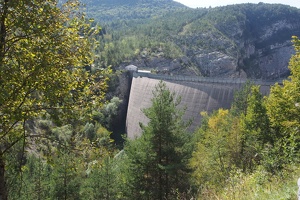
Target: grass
259, 185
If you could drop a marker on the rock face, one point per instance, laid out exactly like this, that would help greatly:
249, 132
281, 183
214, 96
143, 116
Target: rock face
270, 62
268, 52
218, 64
246, 40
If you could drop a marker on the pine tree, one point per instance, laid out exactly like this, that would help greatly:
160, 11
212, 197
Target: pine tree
158, 159
101, 180
66, 178
255, 129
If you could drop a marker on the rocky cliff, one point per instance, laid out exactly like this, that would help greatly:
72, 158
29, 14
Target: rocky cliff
246, 40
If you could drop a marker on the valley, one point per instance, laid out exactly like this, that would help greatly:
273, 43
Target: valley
148, 99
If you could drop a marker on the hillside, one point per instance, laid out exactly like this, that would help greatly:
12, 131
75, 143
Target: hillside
115, 10
75, 125
245, 40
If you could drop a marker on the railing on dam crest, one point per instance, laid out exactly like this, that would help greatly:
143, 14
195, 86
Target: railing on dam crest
204, 79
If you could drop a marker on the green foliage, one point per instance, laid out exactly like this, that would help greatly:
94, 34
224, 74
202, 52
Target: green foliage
256, 130
59, 167
65, 178
113, 10
35, 180
283, 110
239, 105
261, 185
101, 180
265, 135
283, 103
189, 32
218, 150
138, 164
40, 69
231, 145
44, 48
95, 132
157, 161
52, 108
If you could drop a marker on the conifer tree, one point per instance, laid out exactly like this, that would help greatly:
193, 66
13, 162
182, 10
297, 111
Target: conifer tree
255, 129
101, 180
158, 159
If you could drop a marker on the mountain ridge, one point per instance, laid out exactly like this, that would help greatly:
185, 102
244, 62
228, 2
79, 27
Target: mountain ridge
242, 40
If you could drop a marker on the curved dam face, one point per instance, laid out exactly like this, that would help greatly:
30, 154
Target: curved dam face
197, 95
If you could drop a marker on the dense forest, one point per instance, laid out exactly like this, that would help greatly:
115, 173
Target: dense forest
55, 117
124, 10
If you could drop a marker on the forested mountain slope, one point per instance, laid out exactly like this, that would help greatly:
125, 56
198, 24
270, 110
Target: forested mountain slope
58, 115
112, 10
244, 40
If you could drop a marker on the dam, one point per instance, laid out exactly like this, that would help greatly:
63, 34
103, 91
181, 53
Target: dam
197, 94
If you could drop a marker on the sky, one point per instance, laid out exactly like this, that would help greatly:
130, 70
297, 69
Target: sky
214, 3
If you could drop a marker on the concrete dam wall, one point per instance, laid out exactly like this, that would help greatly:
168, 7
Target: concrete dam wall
197, 94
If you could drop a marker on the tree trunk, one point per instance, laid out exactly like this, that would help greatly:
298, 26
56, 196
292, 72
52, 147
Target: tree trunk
4, 9
3, 189
3, 29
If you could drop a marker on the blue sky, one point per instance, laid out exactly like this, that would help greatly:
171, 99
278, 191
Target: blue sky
214, 3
